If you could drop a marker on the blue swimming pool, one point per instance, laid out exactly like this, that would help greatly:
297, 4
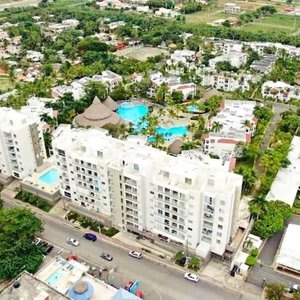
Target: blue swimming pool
171, 132
132, 113
50, 177
193, 108
56, 277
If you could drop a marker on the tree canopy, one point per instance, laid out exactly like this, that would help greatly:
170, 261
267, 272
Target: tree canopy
18, 228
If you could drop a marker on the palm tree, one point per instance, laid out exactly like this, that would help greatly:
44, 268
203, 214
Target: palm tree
216, 127
246, 123
123, 130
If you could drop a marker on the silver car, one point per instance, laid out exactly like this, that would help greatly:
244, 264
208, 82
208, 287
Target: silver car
72, 242
135, 254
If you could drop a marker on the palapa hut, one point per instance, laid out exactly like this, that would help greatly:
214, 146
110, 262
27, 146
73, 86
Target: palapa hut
98, 115
111, 104
175, 147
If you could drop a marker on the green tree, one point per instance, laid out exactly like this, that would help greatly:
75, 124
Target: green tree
179, 257
95, 89
161, 93
120, 93
275, 291
177, 96
194, 263
249, 177
18, 228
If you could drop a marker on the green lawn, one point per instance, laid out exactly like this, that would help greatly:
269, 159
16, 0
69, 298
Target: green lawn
275, 23
5, 84
205, 16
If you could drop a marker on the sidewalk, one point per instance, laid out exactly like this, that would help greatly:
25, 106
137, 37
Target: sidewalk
60, 209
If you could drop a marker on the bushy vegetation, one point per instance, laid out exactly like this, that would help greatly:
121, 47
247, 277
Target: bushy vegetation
250, 261
34, 200
86, 222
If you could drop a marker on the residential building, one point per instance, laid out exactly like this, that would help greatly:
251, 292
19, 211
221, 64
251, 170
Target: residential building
165, 12
232, 8
236, 59
34, 56
287, 182
264, 65
115, 25
225, 81
179, 61
138, 187
188, 90
22, 147
115, 4
288, 257
280, 90
70, 23
143, 9
236, 124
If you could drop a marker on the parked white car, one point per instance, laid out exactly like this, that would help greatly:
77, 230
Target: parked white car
72, 242
191, 277
135, 254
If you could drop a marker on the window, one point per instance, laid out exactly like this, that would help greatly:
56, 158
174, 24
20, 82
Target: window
220, 226
167, 206
188, 181
100, 154
190, 229
166, 174
222, 202
221, 211
136, 167
218, 242
219, 234
221, 219
160, 211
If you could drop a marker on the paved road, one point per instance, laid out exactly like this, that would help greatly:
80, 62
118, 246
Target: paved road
157, 281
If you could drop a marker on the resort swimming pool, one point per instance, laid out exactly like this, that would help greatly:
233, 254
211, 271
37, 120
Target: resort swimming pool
132, 113
170, 133
50, 177
193, 108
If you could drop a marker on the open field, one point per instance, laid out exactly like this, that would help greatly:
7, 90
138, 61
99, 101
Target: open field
5, 83
140, 53
275, 23
9, 3
206, 16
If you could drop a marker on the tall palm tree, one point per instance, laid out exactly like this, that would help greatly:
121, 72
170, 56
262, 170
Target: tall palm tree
216, 127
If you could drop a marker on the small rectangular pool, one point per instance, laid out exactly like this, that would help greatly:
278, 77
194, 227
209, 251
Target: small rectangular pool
56, 277
50, 177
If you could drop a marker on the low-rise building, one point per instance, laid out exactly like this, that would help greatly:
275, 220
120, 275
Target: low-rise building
234, 123
288, 256
165, 12
232, 8
264, 65
280, 90
225, 81
34, 56
188, 90
287, 182
143, 9
236, 59
137, 187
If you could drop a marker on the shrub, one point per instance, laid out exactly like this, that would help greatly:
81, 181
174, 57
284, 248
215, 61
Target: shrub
194, 263
110, 231
34, 200
297, 203
254, 252
250, 261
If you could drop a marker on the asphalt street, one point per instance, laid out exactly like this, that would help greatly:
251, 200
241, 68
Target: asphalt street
166, 284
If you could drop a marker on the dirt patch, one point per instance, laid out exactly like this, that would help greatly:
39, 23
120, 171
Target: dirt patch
140, 53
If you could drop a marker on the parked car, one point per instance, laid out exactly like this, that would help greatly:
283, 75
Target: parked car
36, 241
49, 249
296, 287
139, 294
90, 237
135, 254
191, 277
72, 242
128, 285
106, 256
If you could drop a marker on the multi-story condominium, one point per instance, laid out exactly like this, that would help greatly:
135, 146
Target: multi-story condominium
280, 90
225, 81
22, 147
234, 123
142, 188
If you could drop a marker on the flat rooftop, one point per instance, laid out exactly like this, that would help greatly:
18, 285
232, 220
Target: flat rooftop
30, 288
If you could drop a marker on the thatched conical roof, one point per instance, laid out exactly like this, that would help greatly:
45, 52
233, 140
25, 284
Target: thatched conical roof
175, 147
111, 104
97, 115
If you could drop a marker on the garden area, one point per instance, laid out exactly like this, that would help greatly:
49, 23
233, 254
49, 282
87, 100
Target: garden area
34, 200
86, 222
192, 263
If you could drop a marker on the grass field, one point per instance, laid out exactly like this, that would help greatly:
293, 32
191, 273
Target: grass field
275, 23
140, 53
5, 83
206, 16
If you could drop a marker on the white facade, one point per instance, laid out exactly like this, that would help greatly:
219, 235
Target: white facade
21, 143
232, 8
225, 81
142, 188
280, 90
233, 129
188, 89
236, 59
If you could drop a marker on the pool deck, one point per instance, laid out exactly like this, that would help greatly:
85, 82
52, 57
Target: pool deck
33, 184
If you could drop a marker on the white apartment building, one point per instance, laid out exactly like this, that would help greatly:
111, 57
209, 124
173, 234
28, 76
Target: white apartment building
236, 59
142, 188
228, 82
179, 61
232, 8
280, 90
21, 143
238, 124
